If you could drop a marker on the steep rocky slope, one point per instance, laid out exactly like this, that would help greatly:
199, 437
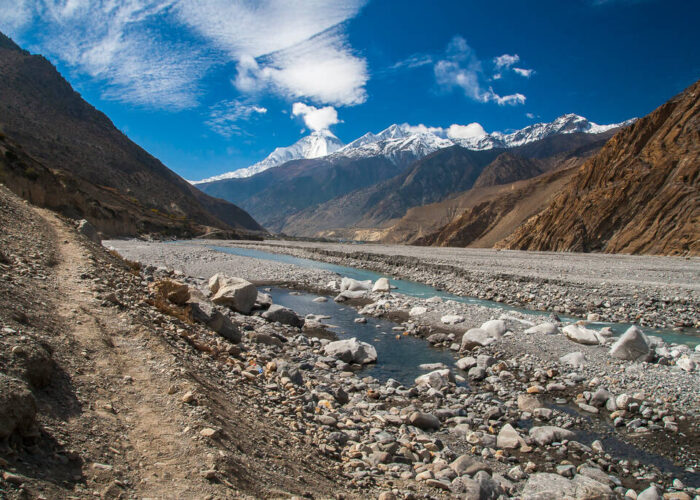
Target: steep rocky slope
54, 127
640, 194
482, 216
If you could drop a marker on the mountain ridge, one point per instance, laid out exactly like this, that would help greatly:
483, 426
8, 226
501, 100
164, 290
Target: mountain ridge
402, 143
41, 114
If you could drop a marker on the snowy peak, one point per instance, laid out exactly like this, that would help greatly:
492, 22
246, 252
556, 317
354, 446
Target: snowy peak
315, 145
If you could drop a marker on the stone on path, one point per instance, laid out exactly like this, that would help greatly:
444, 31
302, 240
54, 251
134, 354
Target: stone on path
476, 337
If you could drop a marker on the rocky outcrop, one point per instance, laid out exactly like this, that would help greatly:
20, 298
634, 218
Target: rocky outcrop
640, 194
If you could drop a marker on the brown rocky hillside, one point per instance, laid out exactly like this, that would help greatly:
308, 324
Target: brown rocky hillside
105, 177
640, 194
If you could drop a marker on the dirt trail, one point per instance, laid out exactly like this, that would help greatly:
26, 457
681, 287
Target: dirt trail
141, 413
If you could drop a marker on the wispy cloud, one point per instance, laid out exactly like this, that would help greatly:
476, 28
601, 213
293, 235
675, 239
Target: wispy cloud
527, 73
506, 60
460, 68
224, 116
156, 52
411, 62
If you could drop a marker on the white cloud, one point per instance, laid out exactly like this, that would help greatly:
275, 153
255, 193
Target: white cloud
527, 73
296, 48
423, 129
506, 60
456, 131
530, 115
156, 52
411, 62
14, 15
223, 116
462, 69
316, 118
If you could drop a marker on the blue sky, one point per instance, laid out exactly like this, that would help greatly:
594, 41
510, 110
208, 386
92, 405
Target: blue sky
209, 86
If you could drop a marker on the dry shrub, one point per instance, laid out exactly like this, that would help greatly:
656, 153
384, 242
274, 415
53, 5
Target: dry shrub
134, 267
184, 314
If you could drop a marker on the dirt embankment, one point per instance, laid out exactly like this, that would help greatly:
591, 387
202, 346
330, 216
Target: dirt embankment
101, 381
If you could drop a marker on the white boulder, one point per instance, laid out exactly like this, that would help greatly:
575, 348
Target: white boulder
581, 334
452, 319
236, 293
417, 311
351, 285
631, 346
381, 285
546, 328
351, 351
437, 378
495, 327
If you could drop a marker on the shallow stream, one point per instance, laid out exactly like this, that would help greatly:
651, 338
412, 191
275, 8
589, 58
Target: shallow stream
415, 289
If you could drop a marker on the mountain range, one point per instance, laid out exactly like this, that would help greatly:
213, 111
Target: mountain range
378, 177
60, 152
401, 143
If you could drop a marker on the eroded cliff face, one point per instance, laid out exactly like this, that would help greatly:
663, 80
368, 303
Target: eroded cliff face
640, 194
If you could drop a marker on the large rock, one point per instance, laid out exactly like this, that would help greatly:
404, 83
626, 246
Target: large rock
351, 285
236, 293
631, 346
495, 327
548, 434
436, 378
417, 311
548, 486
575, 359
508, 438
425, 421
17, 407
381, 285
476, 337
278, 313
351, 351
529, 402
88, 230
545, 328
581, 335
176, 292
467, 464
348, 295
452, 319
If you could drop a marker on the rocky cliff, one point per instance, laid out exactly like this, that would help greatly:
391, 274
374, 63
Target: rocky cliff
640, 194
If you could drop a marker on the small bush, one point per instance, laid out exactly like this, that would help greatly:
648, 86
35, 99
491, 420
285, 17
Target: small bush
31, 173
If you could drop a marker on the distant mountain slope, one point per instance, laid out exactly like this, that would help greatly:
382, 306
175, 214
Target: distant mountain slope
41, 114
443, 174
639, 194
481, 216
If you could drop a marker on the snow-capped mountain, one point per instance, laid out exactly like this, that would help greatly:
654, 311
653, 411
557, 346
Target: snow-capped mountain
404, 143
566, 124
395, 143
315, 145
